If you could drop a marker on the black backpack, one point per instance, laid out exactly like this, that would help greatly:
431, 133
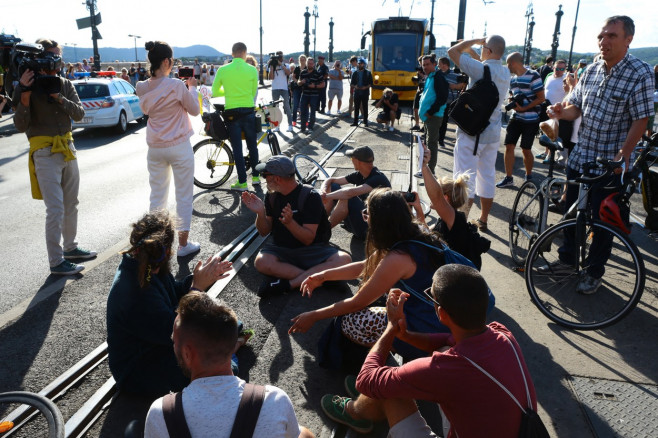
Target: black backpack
473, 107
215, 126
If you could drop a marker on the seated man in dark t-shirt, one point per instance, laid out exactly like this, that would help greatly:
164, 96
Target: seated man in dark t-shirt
390, 108
351, 200
298, 222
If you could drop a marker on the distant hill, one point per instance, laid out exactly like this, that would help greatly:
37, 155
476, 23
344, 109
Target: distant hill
204, 53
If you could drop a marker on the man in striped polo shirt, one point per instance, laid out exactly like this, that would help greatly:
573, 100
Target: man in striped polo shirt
527, 89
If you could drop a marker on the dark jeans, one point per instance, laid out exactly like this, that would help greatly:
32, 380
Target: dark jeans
361, 102
354, 219
308, 103
243, 121
296, 97
601, 246
322, 104
444, 128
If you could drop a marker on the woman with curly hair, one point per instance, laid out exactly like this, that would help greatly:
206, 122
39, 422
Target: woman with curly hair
141, 308
401, 253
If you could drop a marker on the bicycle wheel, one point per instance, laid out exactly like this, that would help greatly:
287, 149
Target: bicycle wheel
213, 163
274, 144
525, 221
308, 170
554, 293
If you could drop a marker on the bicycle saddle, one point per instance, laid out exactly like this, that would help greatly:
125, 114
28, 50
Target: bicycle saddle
550, 144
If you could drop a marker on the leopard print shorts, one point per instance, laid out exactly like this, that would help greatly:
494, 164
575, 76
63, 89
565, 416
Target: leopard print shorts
366, 326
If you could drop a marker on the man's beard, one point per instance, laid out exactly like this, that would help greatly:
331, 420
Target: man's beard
181, 363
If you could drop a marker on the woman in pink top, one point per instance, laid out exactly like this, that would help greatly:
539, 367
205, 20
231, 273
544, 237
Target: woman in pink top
168, 102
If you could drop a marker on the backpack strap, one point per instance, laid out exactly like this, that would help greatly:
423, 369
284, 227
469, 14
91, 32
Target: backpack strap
174, 416
248, 411
420, 295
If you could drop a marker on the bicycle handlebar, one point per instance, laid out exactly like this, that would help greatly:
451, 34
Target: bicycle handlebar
272, 103
609, 166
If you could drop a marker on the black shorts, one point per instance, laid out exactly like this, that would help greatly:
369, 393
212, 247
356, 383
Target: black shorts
197, 76
385, 116
526, 131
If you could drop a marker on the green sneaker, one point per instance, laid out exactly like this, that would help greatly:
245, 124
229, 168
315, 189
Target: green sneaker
255, 180
350, 387
335, 406
239, 186
79, 254
66, 268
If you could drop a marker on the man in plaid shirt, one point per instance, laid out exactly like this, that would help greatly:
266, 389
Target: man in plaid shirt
614, 97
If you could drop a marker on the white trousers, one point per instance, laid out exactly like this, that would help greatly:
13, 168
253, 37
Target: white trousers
161, 162
480, 167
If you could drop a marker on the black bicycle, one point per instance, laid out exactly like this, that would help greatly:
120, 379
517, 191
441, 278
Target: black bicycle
213, 159
552, 284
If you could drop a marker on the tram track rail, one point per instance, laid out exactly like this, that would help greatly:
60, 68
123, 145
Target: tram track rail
238, 251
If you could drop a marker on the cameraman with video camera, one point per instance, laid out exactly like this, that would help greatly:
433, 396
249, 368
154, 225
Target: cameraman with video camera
46, 103
279, 72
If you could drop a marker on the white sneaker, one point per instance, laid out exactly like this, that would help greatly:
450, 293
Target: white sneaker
329, 112
275, 129
290, 128
188, 249
391, 129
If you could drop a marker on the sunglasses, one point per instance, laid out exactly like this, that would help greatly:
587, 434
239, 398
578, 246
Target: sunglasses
428, 294
560, 69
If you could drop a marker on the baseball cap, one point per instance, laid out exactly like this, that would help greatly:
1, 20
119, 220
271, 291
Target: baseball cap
278, 165
362, 60
582, 61
363, 153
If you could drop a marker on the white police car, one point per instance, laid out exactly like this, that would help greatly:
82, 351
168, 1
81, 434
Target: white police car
108, 101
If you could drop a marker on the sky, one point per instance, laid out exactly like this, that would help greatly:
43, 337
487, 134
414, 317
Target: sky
220, 23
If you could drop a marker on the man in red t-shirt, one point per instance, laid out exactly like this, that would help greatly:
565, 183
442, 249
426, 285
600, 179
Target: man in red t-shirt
471, 401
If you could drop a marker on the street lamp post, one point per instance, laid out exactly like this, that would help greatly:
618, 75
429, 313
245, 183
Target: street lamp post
260, 74
135, 38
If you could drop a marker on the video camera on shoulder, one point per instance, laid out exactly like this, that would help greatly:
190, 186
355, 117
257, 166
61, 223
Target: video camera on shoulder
274, 61
33, 57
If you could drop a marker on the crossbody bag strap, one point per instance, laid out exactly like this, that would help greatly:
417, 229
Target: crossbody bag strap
525, 382
248, 411
174, 416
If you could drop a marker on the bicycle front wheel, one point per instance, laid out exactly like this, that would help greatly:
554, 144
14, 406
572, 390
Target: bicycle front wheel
308, 170
274, 144
525, 221
213, 163
554, 291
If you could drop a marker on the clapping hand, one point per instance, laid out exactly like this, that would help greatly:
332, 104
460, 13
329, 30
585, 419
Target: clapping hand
286, 215
253, 202
208, 272
395, 310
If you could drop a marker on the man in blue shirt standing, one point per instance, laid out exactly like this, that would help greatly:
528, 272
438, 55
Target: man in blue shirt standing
432, 106
527, 91
454, 87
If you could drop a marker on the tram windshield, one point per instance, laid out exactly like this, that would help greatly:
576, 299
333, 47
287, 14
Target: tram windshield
396, 51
